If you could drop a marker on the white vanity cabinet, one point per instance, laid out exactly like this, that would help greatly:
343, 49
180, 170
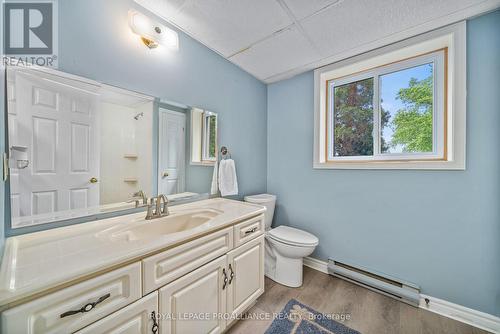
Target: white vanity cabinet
199, 286
209, 298
201, 293
246, 276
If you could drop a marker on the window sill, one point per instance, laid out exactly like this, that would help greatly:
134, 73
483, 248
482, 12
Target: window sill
410, 165
203, 163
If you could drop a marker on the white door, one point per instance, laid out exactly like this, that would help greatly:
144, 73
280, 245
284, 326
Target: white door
171, 152
246, 276
200, 292
58, 125
15, 200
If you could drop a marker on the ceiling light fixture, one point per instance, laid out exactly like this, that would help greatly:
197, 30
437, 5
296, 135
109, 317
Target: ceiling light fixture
152, 34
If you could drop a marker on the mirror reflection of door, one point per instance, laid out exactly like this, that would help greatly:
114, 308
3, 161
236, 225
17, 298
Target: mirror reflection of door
57, 125
171, 152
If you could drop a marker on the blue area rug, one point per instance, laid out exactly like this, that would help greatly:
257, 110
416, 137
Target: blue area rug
296, 318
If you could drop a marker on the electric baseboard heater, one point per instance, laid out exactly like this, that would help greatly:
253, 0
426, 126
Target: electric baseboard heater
403, 291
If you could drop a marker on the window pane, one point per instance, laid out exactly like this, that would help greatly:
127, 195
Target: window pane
353, 119
406, 113
213, 136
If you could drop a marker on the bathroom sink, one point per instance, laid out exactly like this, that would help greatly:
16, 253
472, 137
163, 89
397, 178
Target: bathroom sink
174, 223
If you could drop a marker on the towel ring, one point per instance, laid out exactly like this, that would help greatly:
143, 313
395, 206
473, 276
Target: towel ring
225, 153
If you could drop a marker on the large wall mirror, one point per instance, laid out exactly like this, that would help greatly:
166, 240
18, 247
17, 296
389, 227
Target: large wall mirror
79, 148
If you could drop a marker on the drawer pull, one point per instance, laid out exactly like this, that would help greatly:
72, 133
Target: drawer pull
247, 232
154, 328
86, 308
225, 278
231, 275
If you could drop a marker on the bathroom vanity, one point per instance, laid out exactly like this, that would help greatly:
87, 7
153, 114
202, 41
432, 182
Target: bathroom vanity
193, 271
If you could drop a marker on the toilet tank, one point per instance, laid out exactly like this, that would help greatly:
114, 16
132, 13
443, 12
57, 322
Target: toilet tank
267, 200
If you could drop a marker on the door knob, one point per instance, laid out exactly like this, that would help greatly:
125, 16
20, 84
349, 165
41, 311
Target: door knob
93, 180
165, 174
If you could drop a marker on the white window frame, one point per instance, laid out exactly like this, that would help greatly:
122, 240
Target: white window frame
206, 137
446, 48
438, 59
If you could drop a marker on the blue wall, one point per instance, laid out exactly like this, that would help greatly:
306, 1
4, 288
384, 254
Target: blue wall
96, 42
440, 230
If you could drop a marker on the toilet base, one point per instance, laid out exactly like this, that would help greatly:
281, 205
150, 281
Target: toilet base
285, 271
288, 273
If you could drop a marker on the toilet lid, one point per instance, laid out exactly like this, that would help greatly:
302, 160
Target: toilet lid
293, 236
260, 199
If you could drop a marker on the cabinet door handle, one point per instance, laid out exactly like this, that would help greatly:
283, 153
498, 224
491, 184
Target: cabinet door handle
225, 278
87, 307
154, 328
247, 232
231, 274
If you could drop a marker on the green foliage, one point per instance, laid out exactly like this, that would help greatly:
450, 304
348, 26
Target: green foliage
353, 119
413, 125
385, 116
213, 136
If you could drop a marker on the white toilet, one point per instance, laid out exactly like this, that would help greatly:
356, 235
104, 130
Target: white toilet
285, 246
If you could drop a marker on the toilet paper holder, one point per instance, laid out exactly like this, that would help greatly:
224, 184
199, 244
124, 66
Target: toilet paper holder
19, 156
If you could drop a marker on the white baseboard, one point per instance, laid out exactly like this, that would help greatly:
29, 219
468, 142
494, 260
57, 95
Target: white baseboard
316, 264
461, 313
450, 310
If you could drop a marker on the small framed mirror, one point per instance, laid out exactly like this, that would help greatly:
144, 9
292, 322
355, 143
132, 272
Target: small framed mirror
203, 137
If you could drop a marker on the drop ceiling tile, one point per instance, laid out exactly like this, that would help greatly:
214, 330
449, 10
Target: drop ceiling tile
283, 51
353, 23
229, 26
260, 37
163, 8
303, 8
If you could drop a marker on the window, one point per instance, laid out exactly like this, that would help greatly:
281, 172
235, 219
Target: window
398, 107
209, 136
391, 112
203, 137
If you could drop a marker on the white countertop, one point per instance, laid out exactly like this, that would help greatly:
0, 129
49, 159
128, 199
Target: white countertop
35, 262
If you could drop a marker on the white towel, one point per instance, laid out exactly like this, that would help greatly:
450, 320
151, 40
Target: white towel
214, 188
228, 184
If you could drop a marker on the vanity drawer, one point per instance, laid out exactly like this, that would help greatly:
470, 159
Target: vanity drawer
171, 264
109, 292
135, 318
248, 230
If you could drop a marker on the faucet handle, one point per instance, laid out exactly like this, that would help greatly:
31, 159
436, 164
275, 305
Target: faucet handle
141, 194
132, 200
164, 203
150, 214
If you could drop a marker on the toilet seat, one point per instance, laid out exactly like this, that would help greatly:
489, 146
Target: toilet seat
292, 236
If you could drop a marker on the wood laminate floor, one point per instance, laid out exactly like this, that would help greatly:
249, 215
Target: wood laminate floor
370, 312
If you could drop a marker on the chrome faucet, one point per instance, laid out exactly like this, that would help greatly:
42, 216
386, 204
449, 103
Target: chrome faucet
160, 205
136, 197
142, 195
